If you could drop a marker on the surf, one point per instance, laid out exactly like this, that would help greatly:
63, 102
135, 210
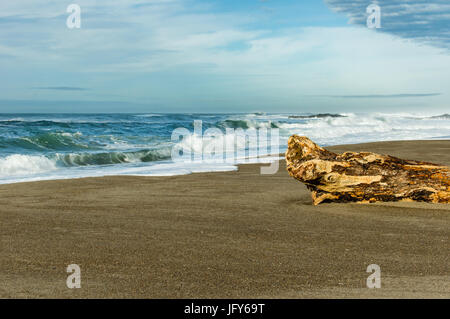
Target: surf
50, 146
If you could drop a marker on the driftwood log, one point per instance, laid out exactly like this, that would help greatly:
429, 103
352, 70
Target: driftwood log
364, 177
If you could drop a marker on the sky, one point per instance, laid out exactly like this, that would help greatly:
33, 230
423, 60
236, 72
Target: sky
212, 56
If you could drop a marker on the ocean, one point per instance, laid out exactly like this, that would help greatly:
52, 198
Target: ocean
58, 146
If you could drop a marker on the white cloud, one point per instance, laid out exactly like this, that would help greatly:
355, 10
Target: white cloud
127, 39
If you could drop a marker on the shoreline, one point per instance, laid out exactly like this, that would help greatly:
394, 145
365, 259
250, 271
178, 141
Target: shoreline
231, 165
232, 234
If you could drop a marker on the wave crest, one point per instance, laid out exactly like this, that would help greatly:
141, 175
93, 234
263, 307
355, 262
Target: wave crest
246, 124
18, 164
108, 158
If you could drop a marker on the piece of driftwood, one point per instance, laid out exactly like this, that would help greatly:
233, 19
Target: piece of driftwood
364, 177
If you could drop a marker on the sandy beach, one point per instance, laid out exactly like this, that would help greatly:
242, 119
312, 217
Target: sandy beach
220, 235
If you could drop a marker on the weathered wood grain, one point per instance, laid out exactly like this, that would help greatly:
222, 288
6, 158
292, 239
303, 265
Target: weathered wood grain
364, 177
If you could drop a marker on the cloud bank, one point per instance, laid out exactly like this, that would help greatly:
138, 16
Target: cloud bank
426, 21
62, 88
383, 96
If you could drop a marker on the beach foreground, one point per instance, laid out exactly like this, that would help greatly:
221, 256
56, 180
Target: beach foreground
211, 235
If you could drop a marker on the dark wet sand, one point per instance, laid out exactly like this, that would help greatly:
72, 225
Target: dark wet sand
238, 234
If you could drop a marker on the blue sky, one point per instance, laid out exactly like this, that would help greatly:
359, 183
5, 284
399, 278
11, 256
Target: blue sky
224, 56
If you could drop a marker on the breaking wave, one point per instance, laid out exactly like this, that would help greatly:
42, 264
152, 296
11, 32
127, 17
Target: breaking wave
18, 164
246, 124
48, 146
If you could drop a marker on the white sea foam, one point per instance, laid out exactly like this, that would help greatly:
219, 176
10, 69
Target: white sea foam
370, 127
21, 168
18, 164
128, 155
76, 134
